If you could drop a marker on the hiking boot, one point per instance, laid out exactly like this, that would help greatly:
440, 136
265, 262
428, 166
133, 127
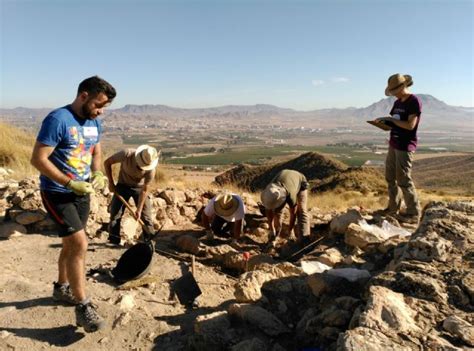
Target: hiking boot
406, 218
88, 318
63, 293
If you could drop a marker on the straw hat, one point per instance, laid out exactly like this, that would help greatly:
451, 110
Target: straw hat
226, 204
396, 83
146, 157
273, 196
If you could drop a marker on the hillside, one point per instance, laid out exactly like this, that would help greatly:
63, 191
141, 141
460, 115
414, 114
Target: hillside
446, 173
15, 148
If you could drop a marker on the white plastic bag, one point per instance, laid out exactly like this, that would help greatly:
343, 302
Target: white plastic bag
385, 232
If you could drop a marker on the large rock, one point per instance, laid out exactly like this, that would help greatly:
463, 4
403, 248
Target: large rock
330, 257
31, 201
173, 197
188, 243
27, 218
340, 223
258, 317
372, 340
387, 312
11, 229
130, 228
414, 284
248, 288
359, 237
339, 282
460, 328
217, 253
428, 247
213, 325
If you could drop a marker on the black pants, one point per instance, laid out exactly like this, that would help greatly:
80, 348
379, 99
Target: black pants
117, 208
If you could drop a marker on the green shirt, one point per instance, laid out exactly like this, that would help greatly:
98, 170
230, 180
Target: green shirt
293, 182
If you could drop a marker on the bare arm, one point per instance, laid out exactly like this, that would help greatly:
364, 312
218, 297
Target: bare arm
40, 160
206, 221
141, 200
292, 218
273, 222
96, 158
108, 172
237, 229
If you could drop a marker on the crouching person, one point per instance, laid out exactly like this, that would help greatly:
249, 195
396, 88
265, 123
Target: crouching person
137, 170
288, 187
224, 215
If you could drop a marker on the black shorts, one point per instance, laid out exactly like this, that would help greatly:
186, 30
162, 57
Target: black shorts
69, 210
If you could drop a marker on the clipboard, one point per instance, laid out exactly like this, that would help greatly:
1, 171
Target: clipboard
384, 125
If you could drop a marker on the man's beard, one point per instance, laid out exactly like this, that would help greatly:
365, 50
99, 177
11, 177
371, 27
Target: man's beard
86, 111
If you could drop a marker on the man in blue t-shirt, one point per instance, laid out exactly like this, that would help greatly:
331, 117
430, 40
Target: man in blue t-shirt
404, 118
68, 155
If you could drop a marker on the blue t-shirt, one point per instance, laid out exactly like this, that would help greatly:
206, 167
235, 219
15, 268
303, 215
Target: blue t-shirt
73, 139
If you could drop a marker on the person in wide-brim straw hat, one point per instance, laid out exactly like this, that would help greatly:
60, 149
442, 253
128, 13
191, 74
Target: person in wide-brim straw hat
146, 157
404, 118
396, 83
224, 215
137, 171
288, 187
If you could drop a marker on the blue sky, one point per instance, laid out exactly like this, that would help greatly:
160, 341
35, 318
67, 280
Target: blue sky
298, 54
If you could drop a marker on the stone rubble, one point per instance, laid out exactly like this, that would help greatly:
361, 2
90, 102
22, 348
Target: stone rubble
401, 293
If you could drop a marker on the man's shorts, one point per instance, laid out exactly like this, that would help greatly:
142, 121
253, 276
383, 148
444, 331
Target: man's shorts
69, 210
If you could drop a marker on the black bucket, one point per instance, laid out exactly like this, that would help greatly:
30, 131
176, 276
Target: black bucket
134, 263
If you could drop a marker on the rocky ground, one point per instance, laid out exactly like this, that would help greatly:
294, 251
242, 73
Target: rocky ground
360, 284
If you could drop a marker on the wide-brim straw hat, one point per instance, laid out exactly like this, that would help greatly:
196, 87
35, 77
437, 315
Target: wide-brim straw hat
225, 204
397, 82
273, 196
146, 157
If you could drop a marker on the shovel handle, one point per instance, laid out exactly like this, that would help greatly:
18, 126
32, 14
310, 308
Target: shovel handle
127, 205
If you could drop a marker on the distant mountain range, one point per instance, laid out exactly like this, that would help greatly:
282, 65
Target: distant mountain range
436, 110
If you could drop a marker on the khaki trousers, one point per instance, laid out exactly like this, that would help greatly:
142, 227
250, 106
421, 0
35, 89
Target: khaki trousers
302, 216
398, 175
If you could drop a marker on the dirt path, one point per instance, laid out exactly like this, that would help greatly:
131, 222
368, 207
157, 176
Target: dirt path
31, 320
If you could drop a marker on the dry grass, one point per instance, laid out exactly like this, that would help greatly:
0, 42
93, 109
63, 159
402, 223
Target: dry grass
15, 150
339, 201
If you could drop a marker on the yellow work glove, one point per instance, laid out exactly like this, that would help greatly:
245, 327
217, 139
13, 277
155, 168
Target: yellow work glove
80, 187
98, 180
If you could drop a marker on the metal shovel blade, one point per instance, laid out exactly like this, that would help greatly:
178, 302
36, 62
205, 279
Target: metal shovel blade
186, 288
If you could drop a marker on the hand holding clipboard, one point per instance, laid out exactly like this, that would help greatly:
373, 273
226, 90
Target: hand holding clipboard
383, 123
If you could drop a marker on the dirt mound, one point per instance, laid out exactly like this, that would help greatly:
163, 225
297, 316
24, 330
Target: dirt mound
313, 165
323, 173
362, 179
